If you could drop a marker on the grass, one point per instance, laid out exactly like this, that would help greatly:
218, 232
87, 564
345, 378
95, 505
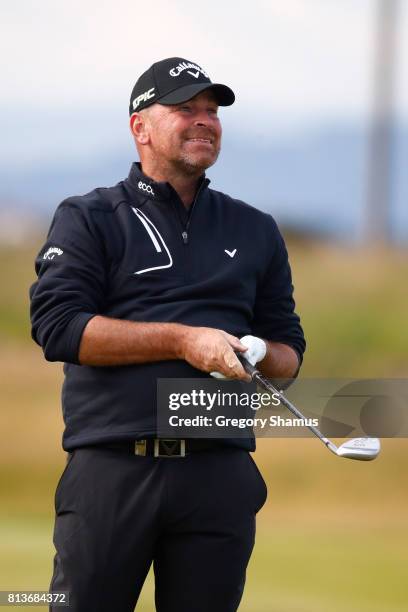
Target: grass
296, 566
333, 533
352, 303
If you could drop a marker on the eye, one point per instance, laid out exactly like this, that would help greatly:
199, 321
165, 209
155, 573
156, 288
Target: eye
213, 111
185, 108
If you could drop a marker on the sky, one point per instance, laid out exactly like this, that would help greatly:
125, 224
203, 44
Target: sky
68, 67
297, 58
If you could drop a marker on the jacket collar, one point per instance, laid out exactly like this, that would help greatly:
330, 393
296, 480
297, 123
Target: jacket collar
149, 188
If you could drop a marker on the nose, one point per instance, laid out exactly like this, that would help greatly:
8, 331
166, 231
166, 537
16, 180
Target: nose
201, 119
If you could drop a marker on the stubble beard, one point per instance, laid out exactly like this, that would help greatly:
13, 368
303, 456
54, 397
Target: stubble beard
184, 162
193, 165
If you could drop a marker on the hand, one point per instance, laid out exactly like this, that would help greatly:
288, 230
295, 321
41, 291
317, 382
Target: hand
256, 349
256, 352
213, 350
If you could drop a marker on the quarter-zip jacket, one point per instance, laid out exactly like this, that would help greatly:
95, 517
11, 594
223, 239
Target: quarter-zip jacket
132, 251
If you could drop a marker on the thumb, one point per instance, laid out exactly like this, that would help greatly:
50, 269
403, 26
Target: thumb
236, 343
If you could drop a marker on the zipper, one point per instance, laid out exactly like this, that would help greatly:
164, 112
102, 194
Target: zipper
185, 227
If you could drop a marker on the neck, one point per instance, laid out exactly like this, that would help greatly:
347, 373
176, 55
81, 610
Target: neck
185, 184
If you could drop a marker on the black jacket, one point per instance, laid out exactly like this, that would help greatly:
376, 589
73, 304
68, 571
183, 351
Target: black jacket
133, 252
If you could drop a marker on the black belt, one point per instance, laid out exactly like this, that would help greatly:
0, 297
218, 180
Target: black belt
162, 447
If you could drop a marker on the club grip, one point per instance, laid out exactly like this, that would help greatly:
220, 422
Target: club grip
248, 367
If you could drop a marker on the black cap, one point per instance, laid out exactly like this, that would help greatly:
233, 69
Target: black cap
174, 80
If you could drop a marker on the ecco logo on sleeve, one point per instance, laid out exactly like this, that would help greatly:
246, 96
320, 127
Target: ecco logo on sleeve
145, 187
147, 95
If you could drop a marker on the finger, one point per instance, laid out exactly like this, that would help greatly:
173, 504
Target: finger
225, 366
244, 374
241, 374
236, 343
235, 368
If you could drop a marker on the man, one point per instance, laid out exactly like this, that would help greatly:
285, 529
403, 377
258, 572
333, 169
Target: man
159, 277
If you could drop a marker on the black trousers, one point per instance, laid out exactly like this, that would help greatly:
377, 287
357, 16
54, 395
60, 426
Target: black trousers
193, 517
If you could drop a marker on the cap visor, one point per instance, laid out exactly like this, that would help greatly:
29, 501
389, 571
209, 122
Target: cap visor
224, 95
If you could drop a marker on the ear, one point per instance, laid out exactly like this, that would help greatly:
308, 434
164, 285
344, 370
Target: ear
138, 127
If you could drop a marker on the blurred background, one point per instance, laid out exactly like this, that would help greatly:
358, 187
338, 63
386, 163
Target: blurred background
318, 136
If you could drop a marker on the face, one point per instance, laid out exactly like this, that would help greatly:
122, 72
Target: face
186, 136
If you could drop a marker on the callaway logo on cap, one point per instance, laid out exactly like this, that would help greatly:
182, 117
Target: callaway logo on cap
172, 81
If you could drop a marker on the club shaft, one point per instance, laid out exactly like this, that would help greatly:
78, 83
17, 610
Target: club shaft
264, 382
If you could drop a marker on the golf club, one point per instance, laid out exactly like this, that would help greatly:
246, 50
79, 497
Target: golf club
362, 449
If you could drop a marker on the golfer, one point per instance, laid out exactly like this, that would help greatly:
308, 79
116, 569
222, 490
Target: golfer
159, 276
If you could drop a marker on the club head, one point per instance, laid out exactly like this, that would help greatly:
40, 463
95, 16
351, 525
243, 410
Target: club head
362, 449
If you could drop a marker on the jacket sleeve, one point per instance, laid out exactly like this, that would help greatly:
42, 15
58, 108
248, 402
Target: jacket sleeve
275, 318
71, 284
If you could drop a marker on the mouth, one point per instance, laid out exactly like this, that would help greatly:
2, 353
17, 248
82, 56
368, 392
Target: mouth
201, 140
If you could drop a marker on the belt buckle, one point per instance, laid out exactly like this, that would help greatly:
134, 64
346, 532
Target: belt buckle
169, 448
140, 448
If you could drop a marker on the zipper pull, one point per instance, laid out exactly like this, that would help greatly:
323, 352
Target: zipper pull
185, 237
